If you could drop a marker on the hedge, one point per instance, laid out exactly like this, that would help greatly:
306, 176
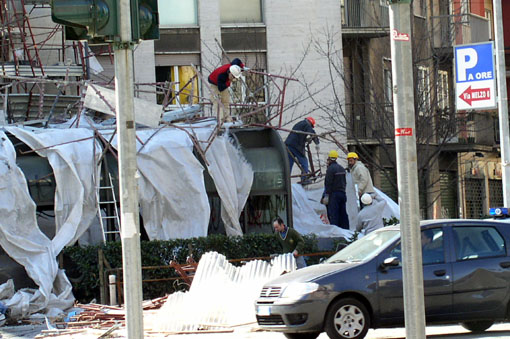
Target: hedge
81, 263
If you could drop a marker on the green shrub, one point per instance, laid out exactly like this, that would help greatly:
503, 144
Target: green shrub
81, 263
391, 221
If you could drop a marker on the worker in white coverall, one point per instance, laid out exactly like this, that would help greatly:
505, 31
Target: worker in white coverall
360, 176
370, 217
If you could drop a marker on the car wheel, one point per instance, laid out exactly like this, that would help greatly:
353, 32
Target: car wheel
477, 326
347, 318
309, 335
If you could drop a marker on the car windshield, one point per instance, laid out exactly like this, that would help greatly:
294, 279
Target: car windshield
366, 247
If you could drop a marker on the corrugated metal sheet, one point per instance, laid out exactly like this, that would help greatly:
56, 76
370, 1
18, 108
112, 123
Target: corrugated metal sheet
221, 294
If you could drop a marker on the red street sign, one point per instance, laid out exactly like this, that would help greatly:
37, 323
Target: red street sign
477, 94
403, 132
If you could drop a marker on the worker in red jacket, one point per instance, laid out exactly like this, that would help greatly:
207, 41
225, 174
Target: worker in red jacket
221, 78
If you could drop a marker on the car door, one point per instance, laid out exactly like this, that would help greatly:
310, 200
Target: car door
481, 271
437, 281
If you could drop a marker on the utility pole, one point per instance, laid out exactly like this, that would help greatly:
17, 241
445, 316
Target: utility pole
504, 141
130, 227
407, 169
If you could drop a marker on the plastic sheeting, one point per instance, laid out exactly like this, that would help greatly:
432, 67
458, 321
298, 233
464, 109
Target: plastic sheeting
307, 221
71, 157
168, 166
23, 241
233, 177
306, 209
172, 192
221, 294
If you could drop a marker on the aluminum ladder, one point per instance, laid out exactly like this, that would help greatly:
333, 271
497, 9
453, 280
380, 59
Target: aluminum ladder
111, 200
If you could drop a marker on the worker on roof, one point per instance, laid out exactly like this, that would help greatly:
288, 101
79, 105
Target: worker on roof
296, 145
290, 240
360, 176
334, 196
221, 79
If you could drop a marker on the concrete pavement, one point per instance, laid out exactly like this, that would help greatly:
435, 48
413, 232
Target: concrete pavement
497, 331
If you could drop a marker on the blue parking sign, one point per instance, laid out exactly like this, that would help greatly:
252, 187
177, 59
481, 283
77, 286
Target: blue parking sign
474, 76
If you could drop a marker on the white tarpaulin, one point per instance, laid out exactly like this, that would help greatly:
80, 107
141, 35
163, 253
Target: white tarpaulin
307, 221
172, 192
306, 209
23, 241
233, 177
173, 200
70, 153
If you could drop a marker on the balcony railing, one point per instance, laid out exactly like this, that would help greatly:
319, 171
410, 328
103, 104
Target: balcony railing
450, 30
364, 14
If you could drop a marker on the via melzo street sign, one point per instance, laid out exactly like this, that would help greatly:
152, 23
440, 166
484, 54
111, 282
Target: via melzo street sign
475, 79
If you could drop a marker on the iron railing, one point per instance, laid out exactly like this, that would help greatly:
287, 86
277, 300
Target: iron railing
450, 30
365, 14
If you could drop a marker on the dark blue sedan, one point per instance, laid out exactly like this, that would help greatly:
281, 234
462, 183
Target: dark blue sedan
466, 276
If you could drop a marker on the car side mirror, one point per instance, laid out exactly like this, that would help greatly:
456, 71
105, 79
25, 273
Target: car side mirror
390, 262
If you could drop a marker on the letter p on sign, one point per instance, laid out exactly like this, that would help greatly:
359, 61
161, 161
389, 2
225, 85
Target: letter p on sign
466, 58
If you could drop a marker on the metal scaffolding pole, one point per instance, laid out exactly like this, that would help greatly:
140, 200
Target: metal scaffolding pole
130, 227
407, 173
502, 101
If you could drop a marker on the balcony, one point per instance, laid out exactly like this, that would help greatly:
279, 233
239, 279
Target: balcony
365, 18
474, 131
369, 123
459, 29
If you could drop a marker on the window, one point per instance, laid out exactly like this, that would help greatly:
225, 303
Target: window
432, 247
388, 90
423, 8
233, 13
177, 12
420, 8
488, 15
478, 242
423, 94
181, 80
443, 96
464, 11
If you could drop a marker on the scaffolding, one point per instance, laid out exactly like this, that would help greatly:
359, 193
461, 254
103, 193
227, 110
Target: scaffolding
39, 94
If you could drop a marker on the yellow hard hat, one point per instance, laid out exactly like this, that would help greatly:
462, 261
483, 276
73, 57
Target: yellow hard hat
352, 155
333, 154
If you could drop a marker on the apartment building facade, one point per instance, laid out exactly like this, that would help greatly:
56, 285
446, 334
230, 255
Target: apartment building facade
458, 152
269, 36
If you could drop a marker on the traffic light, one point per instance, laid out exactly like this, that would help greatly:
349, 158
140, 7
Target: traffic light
145, 20
96, 20
86, 19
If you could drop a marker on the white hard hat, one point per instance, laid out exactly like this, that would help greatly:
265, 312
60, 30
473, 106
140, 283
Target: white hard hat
366, 199
235, 70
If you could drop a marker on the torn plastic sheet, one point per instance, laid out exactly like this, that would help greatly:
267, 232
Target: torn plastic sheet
74, 168
186, 215
221, 294
230, 171
172, 196
22, 240
307, 221
233, 177
306, 209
